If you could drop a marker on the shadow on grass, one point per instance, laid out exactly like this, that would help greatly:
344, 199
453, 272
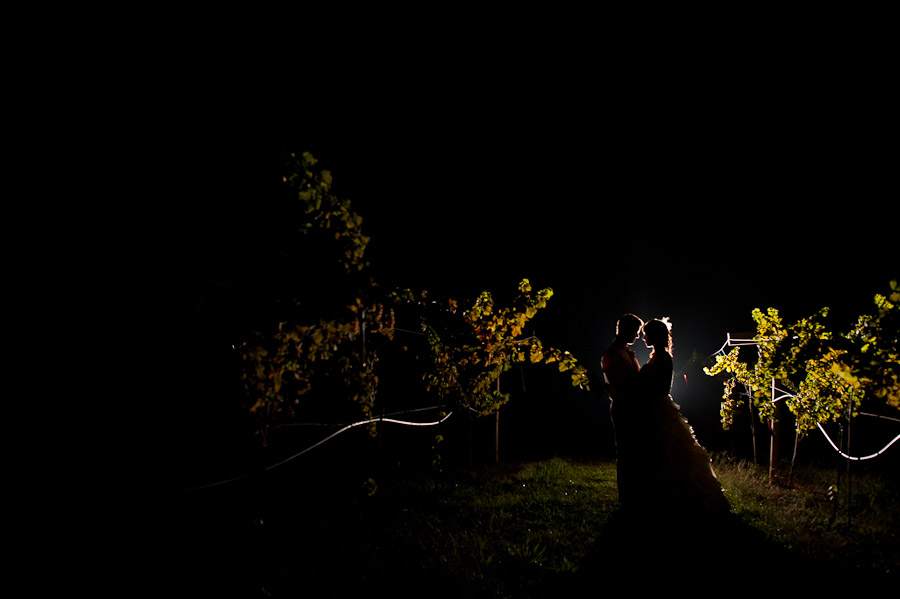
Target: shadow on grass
703, 556
426, 541
638, 551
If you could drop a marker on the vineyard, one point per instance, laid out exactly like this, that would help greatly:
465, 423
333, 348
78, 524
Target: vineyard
405, 408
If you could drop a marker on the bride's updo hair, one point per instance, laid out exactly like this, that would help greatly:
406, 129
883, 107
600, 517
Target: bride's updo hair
658, 333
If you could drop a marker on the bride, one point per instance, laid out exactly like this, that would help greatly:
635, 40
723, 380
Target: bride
677, 471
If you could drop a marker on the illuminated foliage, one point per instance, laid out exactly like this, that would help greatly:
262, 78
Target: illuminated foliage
469, 351
280, 368
326, 213
870, 354
324, 351
825, 373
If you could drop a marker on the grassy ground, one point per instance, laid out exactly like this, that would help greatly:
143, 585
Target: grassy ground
540, 529
807, 515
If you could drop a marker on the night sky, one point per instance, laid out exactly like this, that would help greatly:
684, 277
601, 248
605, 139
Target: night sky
697, 222
701, 232
676, 201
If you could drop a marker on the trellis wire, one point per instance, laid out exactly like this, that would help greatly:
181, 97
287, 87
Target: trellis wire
854, 458
732, 342
330, 437
354, 425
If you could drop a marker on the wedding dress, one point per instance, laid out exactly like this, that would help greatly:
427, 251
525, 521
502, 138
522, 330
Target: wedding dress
676, 470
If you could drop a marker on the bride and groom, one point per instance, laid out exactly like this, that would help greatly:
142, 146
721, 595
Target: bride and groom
660, 464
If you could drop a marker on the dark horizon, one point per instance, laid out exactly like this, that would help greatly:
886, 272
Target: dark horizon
435, 225
658, 250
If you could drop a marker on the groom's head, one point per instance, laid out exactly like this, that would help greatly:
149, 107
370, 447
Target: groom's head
628, 326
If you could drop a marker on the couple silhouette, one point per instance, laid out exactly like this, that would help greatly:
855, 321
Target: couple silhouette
661, 467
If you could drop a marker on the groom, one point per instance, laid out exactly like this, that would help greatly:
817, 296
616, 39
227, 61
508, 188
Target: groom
620, 368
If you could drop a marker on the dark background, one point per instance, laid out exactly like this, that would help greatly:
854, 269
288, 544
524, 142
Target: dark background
698, 224
698, 202
701, 226
701, 194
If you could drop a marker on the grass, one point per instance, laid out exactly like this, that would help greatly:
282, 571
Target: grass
496, 532
809, 516
544, 529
